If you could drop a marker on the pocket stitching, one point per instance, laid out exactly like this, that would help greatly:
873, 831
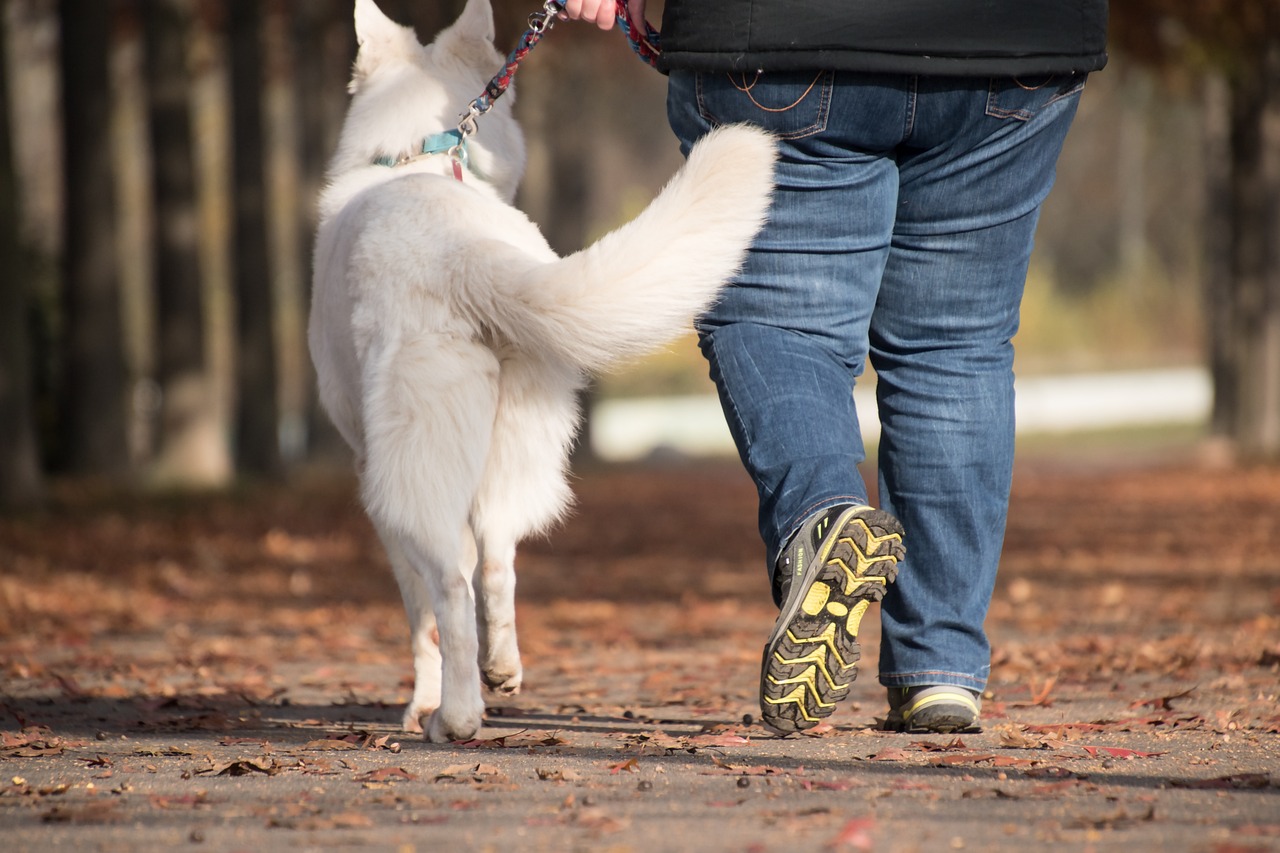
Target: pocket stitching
818, 125
1023, 114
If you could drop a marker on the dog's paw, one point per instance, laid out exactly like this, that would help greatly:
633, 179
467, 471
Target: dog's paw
503, 680
413, 717
443, 729
426, 698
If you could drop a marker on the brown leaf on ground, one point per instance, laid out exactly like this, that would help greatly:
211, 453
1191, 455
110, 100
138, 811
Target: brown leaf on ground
482, 743
243, 767
1162, 703
1013, 738
34, 742
332, 744
630, 765
753, 770
855, 834
387, 774
1119, 752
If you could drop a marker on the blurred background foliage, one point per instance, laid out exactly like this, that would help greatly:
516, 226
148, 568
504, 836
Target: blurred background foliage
159, 160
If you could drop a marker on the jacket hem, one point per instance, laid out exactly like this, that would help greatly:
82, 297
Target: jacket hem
881, 63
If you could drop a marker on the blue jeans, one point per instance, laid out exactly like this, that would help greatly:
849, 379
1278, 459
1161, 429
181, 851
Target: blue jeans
900, 232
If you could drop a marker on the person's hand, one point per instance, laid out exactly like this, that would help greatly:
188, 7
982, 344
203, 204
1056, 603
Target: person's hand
601, 12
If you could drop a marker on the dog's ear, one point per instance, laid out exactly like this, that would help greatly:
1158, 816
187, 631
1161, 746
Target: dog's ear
472, 33
381, 40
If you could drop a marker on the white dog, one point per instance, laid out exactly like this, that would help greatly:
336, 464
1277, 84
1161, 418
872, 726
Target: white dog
450, 341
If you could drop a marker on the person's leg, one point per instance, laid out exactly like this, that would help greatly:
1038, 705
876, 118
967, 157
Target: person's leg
974, 170
785, 345
788, 339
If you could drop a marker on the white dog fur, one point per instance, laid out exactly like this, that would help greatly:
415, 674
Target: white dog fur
450, 341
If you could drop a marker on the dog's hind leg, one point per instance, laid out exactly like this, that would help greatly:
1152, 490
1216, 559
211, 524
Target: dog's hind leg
461, 707
423, 637
494, 584
429, 411
523, 491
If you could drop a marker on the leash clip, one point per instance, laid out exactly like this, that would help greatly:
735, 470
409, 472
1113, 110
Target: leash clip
467, 121
541, 22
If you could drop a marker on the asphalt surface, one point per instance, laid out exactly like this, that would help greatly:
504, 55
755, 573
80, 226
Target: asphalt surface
227, 674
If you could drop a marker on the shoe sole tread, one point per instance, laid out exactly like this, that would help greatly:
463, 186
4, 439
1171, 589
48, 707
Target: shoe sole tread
811, 662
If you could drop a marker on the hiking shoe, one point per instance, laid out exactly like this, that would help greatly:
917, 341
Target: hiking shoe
938, 708
840, 561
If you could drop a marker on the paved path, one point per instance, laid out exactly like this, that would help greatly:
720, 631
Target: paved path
224, 674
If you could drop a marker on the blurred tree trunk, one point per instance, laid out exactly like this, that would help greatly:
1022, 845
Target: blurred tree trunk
257, 419
1247, 372
1240, 41
326, 46
193, 450
93, 395
20, 483
1217, 279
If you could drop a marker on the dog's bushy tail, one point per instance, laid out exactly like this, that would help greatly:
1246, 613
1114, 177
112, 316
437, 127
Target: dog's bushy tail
640, 286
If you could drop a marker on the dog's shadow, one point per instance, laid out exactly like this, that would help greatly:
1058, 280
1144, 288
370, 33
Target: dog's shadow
502, 719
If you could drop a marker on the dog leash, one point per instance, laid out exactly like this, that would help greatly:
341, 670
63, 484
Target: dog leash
645, 42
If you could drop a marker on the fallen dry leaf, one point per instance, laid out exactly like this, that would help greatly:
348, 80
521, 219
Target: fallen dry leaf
1162, 703
387, 774
243, 767
855, 834
334, 744
1119, 752
482, 743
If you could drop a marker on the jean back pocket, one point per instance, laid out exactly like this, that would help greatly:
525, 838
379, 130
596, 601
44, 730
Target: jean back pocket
790, 104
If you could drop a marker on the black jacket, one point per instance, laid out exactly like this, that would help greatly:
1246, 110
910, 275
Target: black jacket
956, 37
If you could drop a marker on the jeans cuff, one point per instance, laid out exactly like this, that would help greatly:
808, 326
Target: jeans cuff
929, 678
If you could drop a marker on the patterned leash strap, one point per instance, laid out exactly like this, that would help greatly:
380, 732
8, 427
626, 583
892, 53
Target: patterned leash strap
645, 41
540, 24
